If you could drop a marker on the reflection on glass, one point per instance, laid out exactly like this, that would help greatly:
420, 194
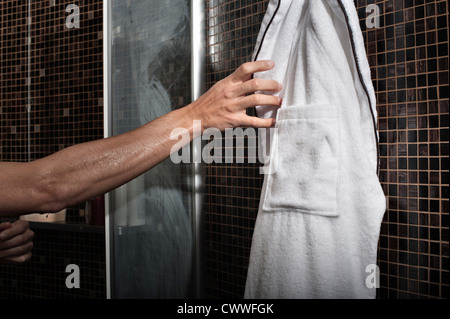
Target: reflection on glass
151, 216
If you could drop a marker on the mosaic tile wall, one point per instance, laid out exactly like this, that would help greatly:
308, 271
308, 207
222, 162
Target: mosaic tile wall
232, 190
408, 55
65, 84
58, 76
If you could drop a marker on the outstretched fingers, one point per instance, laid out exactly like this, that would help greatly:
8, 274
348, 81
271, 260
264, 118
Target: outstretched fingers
224, 105
258, 85
259, 99
252, 121
245, 71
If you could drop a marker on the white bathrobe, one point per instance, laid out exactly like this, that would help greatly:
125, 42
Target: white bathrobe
321, 207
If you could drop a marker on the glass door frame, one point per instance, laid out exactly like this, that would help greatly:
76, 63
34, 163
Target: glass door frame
198, 56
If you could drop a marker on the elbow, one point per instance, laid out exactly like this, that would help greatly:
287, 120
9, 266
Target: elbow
53, 207
53, 196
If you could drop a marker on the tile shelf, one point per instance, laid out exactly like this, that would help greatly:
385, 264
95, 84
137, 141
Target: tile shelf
71, 227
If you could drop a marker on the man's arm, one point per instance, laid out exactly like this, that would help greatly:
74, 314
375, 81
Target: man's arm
81, 172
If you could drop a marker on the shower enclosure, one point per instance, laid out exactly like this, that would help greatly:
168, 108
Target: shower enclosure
153, 64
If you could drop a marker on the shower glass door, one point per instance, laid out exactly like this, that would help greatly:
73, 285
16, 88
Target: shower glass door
150, 221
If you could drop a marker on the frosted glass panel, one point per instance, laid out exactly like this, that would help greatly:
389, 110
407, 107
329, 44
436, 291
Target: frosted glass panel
151, 217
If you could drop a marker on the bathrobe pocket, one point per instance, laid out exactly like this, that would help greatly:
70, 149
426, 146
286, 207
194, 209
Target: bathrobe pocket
304, 161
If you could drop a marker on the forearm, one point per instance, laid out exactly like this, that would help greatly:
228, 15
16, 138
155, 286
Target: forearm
83, 171
103, 165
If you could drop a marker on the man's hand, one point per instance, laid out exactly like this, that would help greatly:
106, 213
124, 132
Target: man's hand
224, 105
15, 242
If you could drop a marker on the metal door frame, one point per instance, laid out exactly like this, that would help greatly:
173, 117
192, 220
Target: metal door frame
198, 55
